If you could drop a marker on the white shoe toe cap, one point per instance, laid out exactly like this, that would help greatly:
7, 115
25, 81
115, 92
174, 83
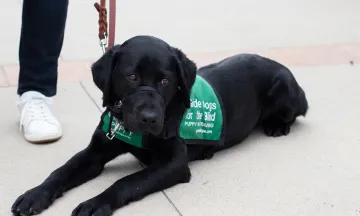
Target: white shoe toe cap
41, 131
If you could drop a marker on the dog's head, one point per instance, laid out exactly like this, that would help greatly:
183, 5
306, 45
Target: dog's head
149, 77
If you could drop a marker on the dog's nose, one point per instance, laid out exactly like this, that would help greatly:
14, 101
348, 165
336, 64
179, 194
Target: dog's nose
148, 117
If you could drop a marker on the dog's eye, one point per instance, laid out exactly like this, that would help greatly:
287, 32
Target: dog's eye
132, 77
165, 82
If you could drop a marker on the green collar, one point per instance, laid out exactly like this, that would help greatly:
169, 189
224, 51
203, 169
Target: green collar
117, 130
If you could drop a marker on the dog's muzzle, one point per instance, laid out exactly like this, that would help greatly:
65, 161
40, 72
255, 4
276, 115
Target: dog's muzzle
148, 116
144, 116
116, 107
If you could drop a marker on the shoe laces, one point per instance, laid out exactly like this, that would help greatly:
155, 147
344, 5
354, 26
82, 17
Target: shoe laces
36, 108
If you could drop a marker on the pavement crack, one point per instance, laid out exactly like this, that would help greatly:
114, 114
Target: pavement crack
172, 203
89, 95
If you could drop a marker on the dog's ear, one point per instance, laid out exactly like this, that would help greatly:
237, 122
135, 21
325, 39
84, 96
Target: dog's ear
102, 71
186, 73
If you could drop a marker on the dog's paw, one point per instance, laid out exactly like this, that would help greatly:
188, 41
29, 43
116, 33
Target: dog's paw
278, 131
276, 128
32, 202
92, 207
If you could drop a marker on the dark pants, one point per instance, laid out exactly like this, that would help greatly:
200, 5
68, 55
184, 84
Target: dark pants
42, 34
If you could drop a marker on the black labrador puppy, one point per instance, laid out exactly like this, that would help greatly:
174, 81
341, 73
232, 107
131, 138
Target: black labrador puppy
166, 114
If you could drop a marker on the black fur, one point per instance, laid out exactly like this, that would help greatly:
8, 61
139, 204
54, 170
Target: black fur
254, 91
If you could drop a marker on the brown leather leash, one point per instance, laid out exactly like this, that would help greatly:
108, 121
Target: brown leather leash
106, 32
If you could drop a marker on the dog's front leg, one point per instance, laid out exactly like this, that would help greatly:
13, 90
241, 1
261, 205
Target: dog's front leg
170, 169
85, 165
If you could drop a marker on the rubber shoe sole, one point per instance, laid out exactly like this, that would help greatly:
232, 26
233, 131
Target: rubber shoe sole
43, 140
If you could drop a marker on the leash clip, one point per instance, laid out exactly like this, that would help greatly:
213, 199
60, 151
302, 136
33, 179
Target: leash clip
103, 42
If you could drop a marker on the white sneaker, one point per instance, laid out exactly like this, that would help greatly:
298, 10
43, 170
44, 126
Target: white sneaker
36, 119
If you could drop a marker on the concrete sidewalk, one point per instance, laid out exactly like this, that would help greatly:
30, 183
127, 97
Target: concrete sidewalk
312, 171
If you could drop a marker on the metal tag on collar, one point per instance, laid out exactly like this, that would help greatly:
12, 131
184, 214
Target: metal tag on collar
118, 104
110, 135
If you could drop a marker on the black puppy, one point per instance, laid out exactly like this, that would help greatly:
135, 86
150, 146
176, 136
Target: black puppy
165, 114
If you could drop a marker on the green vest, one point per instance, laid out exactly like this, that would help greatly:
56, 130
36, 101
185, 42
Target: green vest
201, 123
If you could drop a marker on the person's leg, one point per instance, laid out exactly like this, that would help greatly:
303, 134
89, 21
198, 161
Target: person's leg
42, 33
